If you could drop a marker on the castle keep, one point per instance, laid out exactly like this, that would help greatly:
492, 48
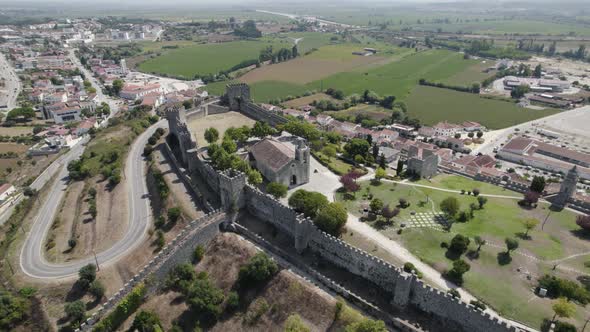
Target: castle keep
403, 289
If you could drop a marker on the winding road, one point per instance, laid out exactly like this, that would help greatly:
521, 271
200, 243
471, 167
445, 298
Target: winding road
32, 258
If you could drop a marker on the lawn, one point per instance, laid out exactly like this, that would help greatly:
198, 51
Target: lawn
500, 218
455, 182
432, 105
335, 165
208, 58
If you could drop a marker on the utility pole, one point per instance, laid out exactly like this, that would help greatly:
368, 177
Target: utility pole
546, 217
96, 260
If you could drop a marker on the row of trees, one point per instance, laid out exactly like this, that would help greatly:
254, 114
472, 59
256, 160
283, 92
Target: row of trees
474, 88
283, 54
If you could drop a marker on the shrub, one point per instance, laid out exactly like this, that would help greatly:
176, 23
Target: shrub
96, 289
124, 309
72, 242
277, 190
179, 277
198, 253
409, 267
233, 301
146, 321
205, 298
87, 273
259, 268
295, 324
478, 304
557, 287
173, 214
454, 293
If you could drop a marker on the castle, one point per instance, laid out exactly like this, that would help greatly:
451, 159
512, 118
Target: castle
404, 290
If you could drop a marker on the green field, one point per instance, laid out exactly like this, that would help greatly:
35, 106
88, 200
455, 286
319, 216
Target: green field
208, 58
432, 105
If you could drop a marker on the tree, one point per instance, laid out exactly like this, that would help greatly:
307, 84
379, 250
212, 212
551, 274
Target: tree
277, 190
538, 184
75, 311
146, 321
376, 205
180, 277
475, 192
450, 206
387, 102
332, 218
259, 268
563, 308
96, 289
173, 214
261, 129
479, 241
519, 91
457, 135
308, 202
511, 244
389, 213
382, 161
117, 86
87, 274
380, 173
204, 297
403, 202
530, 198
348, 181
584, 222
479, 134
357, 146
459, 244
481, 201
295, 324
211, 135
538, 71
229, 145
460, 267
29, 192
529, 225
254, 177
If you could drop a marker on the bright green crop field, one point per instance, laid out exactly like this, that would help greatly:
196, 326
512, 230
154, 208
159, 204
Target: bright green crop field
208, 58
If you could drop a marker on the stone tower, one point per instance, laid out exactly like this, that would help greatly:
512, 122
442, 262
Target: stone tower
568, 187
302, 158
236, 94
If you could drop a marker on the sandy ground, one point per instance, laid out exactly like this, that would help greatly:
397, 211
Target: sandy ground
221, 122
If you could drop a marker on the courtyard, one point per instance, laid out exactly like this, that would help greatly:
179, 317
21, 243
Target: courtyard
221, 122
556, 248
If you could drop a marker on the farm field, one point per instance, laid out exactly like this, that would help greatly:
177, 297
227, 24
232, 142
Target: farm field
15, 131
326, 61
207, 58
490, 277
472, 74
432, 105
394, 78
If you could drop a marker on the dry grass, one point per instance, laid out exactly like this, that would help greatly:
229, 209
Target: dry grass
221, 122
285, 294
306, 69
15, 131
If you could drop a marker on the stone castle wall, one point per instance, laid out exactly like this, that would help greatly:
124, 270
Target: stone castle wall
404, 288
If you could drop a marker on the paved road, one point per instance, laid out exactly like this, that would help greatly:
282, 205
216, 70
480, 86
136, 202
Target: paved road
8, 93
32, 260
